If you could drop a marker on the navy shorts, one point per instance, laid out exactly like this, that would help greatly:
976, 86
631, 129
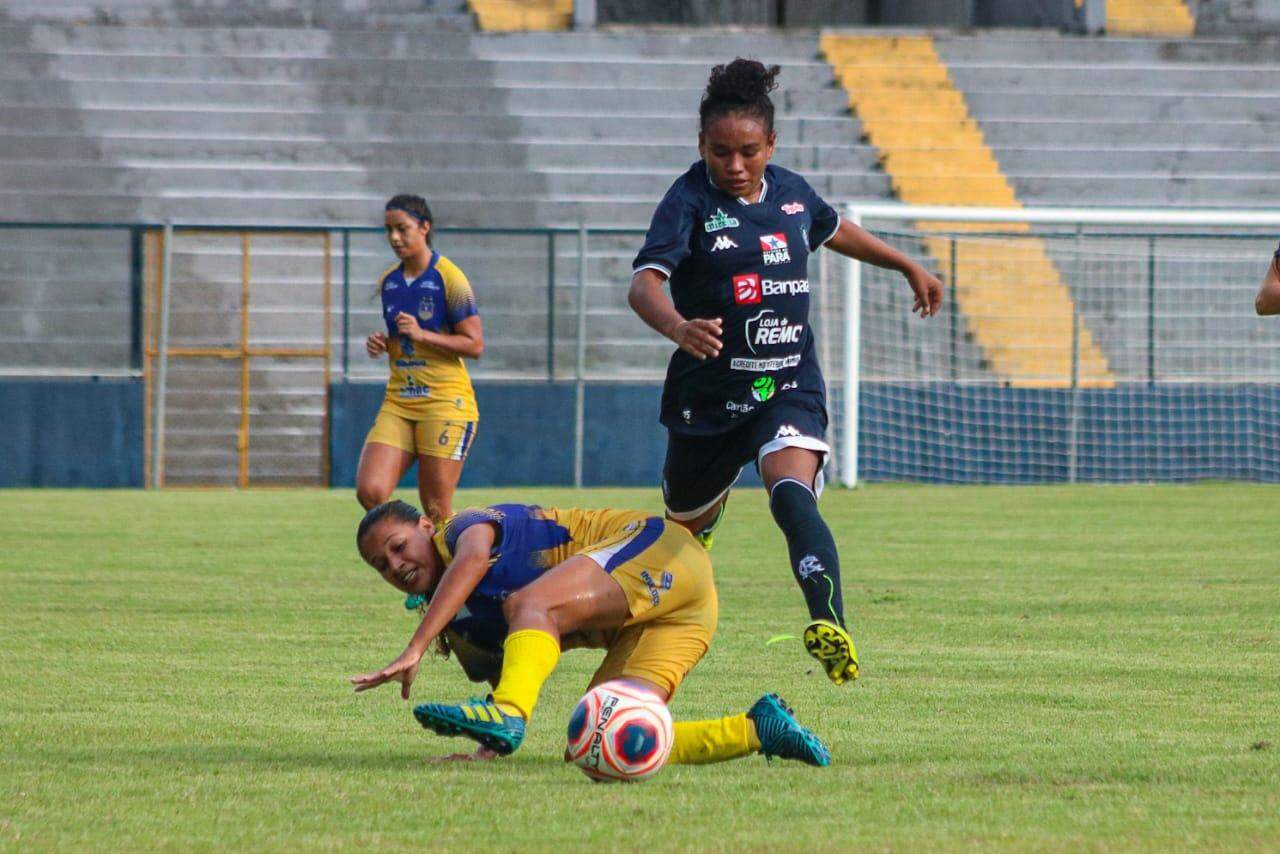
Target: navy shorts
700, 470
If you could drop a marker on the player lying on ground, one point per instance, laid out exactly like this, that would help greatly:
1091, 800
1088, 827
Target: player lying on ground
510, 586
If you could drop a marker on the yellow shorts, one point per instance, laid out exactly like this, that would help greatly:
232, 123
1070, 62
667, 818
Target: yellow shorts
671, 594
447, 439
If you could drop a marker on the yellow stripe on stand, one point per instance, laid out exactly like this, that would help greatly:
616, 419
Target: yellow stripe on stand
523, 15
1019, 310
1149, 18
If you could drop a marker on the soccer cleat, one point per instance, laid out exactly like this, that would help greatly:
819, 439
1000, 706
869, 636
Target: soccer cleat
832, 646
479, 720
414, 601
707, 535
781, 735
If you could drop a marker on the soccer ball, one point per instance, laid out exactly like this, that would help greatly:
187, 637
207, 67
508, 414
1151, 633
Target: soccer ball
619, 732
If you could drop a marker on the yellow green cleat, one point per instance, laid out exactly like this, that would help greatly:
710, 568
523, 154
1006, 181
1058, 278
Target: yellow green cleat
831, 645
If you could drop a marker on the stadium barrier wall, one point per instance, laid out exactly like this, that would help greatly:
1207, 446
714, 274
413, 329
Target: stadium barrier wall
83, 432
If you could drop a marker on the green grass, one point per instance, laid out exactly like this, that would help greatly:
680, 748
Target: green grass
1046, 668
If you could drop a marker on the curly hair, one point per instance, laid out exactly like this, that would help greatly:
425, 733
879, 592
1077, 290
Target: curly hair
742, 87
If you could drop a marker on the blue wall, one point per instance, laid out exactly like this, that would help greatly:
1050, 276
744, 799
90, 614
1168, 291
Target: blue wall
88, 433
82, 432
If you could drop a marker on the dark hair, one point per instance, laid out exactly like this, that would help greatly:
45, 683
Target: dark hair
414, 206
399, 510
742, 87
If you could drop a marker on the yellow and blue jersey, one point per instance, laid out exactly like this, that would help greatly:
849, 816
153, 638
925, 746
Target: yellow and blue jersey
530, 540
427, 382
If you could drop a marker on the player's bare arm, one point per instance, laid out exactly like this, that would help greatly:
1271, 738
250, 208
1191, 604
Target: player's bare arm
1268, 299
470, 562
699, 337
467, 338
855, 242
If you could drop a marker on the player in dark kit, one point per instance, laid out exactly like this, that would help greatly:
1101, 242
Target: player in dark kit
733, 237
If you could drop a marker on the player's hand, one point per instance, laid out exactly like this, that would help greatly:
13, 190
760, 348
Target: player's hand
403, 670
699, 337
407, 325
928, 291
375, 345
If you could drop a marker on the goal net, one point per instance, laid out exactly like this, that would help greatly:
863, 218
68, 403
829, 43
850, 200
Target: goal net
1075, 345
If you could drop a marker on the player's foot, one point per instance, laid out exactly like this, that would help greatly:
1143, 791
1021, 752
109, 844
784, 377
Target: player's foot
707, 535
832, 646
414, 601
780, 733
479, 720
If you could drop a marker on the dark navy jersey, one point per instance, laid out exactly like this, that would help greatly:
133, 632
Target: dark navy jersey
747, 264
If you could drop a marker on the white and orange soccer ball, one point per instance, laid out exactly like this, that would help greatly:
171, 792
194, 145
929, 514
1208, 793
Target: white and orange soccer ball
620, 731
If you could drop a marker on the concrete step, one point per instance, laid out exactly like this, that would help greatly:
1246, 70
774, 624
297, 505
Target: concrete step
1112, 106
124, 93
1146, 190
383, 125
606, 155
707, 45
1050, 132
1165, 78
1048, 50
402, 16
1175, 162
566, 71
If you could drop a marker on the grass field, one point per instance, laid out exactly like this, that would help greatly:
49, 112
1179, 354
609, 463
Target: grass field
1043, 668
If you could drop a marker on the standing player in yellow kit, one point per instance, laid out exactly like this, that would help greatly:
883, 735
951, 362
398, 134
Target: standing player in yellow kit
429, 412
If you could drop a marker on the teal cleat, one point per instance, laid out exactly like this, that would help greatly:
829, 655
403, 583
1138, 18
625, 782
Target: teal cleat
414, 601
479, 720
780, 733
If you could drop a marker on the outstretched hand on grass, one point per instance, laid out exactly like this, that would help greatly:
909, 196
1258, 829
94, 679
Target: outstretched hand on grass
403, 670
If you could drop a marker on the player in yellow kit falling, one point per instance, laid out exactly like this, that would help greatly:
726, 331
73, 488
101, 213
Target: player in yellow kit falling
429, 413
510, 586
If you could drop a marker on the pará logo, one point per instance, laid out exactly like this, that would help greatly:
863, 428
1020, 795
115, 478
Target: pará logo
719, 221
774, 248
723, 242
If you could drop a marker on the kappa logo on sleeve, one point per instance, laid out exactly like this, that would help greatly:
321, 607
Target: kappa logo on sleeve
746, 289
775, 249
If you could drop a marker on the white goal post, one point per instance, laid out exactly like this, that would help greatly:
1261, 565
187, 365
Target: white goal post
1075, 344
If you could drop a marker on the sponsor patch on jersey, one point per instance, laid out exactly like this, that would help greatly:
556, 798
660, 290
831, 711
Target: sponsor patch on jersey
719, 221
746, 289
784, 287
767, 329
792, 208
774, 248
724, 241
760, 366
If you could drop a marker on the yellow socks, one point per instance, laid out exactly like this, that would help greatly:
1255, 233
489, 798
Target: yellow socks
528, 658
700, 742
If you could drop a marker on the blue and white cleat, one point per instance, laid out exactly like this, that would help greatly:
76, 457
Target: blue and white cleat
479, 720
781, 735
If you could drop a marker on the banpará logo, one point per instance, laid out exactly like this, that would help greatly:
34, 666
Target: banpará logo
763, 388
809, 565
774, 248
746, 289
786, 431
781, 287
719, 221
723, 241
792, 208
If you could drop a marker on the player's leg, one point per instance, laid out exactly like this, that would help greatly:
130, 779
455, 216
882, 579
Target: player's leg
768, 727
697, 475
790, 464
576, 595
442, 447
386, 456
